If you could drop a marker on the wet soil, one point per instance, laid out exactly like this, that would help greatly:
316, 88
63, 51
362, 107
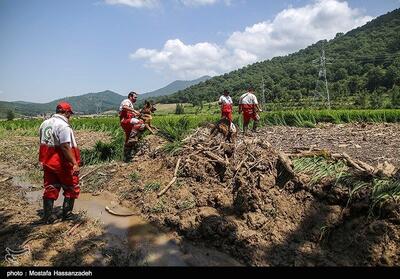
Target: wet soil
370, 143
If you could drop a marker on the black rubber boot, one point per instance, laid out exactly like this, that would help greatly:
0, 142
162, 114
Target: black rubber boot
49, 217
255, 124
68, 206
127, 153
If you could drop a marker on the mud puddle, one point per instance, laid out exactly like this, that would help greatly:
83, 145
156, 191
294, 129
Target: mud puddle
157, 248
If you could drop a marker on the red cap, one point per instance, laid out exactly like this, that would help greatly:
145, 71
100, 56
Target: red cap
64, 107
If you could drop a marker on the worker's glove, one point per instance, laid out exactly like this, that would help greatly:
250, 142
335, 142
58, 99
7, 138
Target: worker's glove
142, 127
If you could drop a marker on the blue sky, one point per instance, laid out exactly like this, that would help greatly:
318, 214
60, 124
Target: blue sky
55, 48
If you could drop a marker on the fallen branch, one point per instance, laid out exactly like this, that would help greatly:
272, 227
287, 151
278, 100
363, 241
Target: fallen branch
286, 163
109, 210
162, 192
177, 167
86, 174
357, 164
241, 163
71, 230
215, 157
5, 179
255, 164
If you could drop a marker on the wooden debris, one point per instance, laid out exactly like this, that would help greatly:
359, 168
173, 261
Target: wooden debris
111, 211
71, 230
162, 192
385, 170
215, 157
6, 179
354, 163
90, 172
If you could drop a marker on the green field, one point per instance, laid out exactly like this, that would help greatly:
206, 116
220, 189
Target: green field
165, 122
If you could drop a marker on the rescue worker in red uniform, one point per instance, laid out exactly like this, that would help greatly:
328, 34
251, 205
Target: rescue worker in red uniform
225, 101
60, 158
248, 105
131, 124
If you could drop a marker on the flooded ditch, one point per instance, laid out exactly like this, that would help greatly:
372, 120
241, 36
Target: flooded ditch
157, 247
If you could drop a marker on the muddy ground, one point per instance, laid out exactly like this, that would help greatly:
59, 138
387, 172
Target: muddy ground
259, 223
24, 240
371, 143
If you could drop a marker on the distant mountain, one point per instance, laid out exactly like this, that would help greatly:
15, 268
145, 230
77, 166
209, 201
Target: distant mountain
84, 104
172, 88
92, 103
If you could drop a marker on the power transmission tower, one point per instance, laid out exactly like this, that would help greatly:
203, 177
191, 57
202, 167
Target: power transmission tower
322, 62
98, 106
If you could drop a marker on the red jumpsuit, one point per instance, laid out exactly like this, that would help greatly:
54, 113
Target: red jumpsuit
125, 117
58, 172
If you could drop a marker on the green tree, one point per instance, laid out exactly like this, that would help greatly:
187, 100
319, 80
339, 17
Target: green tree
376, 100
395, 97
340, 74
362, 100
392, 76
376, 78
179, 109
10, 115
354, 85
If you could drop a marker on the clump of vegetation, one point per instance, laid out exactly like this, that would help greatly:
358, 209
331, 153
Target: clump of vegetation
159, 207
379, 190
10, 115
186, 204
319, 168
102, 152
134, 177
152, 186
180, 109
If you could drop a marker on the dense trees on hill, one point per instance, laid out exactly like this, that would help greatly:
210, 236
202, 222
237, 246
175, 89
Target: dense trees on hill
362, 66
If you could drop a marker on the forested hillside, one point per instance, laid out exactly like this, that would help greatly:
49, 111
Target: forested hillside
363, 70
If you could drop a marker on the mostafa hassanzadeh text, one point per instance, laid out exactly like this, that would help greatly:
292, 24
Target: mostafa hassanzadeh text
43, 273
60, 273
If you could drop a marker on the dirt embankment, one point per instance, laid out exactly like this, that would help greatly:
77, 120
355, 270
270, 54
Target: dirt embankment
246, 205
249, 206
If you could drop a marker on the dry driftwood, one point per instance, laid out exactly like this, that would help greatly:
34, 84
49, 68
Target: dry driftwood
71, 230
241, 163
162, 192
90, 172
5, 179
111, 211
357, 164
215, 157
286, 163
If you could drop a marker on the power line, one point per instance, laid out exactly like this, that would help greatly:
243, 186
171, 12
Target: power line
322, 73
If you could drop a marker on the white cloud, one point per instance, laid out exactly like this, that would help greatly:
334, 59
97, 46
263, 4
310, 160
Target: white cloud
290, 30
188, 61
198, 2
135, 3
295, 28
195, 3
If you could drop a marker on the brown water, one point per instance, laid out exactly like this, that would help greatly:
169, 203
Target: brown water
158, 248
